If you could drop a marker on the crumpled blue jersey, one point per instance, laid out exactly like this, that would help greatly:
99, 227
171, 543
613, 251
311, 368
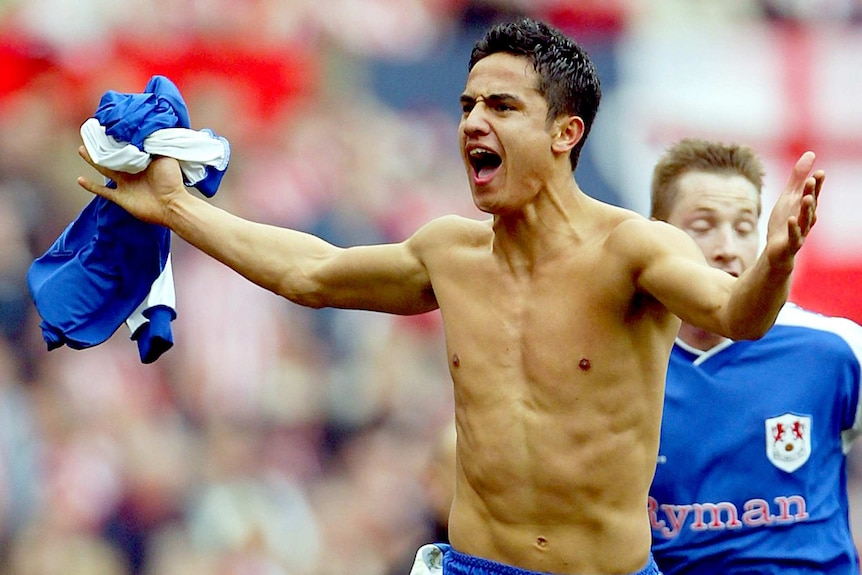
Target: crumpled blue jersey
96, 274
102, 266
132, 117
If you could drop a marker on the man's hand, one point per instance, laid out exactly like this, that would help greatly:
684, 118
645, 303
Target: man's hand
147, 195
794, 214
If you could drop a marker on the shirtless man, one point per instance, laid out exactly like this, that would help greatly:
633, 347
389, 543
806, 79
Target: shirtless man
559, 311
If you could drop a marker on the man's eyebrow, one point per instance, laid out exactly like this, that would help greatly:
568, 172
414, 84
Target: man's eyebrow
490, 98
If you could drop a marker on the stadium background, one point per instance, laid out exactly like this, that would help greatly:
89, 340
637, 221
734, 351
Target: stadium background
277, 440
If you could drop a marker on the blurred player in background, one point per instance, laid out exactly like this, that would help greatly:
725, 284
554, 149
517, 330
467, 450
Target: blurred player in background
751, 474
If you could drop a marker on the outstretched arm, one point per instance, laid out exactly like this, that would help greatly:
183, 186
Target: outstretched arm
298, 266
675, 272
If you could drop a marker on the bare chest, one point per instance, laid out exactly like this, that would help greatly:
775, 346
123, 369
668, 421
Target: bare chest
558, 321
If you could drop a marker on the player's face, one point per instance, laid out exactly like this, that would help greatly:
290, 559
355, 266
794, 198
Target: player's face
721, 213
504, 137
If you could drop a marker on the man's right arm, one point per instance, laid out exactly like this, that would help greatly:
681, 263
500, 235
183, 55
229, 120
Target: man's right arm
298, 266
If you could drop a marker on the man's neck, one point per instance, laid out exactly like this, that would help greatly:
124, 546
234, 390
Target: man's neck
546, 224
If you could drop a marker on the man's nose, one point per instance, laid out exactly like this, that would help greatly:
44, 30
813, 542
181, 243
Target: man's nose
475, 122
725, 244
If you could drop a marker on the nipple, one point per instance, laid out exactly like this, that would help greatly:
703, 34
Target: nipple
456, 361
584, 364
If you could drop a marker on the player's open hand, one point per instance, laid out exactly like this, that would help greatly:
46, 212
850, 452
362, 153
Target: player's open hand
795, 212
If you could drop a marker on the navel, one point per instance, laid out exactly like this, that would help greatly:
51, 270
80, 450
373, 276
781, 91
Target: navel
541, 542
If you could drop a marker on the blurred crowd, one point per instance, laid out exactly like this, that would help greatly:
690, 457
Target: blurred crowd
271, 439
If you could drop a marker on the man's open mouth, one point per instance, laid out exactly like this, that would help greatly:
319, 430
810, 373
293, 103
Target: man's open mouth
484, 162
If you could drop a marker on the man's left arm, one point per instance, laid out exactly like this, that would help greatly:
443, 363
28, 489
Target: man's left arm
765, 286
672, 269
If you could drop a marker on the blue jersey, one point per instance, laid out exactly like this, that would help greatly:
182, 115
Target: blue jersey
751, 473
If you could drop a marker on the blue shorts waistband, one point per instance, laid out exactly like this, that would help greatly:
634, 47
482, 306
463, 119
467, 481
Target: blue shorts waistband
457, 563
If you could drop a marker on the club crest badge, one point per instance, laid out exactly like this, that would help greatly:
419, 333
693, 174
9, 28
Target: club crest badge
788, 441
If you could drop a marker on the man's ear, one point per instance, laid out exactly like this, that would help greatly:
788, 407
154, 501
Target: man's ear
568, 131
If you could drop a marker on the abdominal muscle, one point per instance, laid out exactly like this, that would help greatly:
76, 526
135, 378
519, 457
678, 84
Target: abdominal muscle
556, 480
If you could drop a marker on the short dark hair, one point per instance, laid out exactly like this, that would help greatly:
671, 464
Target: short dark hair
695, 155
568, 80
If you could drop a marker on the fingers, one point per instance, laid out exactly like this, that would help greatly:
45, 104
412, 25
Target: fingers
805, 162
808, 156
95, 188
809, 184
798, 203
107, 172
90, 185
819, 176
807, 215
810, 197
82, 151
800, 225
803, 166
794, 235
801, 171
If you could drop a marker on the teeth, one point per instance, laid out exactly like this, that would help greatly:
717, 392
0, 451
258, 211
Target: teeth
476, 152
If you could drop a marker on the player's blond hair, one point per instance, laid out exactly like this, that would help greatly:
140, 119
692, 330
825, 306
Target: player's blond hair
695, 155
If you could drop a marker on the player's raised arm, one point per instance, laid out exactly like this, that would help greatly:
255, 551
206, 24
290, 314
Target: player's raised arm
676, 273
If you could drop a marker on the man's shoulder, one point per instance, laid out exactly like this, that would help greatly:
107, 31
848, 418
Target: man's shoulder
624, 222
636, 235
455, 225
451, 231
